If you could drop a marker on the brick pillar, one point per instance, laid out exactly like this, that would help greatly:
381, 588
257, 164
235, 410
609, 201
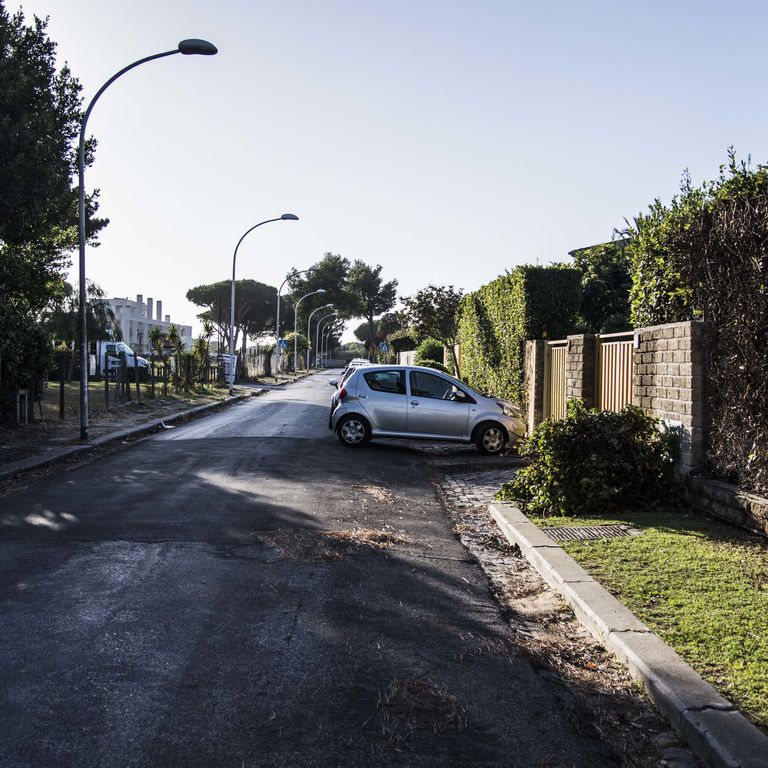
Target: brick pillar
534, 381
580, 368
668, 383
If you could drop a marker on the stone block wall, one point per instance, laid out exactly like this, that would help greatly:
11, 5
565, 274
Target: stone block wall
668, 383
729, 503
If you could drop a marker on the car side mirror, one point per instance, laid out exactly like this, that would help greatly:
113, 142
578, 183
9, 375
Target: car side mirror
333, 383
459, 395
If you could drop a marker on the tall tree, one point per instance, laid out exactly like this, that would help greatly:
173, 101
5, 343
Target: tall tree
254, 307
331, 274
376, 296
434, 312
39, 124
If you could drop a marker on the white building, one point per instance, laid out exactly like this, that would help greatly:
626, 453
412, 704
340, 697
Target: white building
137, 318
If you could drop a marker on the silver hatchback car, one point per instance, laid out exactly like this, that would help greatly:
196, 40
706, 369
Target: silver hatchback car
406, 401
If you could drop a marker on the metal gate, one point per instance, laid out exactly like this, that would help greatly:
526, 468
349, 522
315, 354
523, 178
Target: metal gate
554, 378
615, 353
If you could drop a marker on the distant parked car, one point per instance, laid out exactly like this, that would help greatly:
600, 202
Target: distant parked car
421, 403
109, 353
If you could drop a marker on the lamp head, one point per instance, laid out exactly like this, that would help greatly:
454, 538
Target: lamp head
289, 217
320, 290
200, 47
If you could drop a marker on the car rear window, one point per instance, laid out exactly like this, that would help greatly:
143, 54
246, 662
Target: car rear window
392, 382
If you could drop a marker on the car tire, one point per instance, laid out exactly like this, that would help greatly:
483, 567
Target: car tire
491, 439
353, 430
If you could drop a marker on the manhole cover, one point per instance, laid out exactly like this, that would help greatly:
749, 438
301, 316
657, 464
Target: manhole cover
587, 532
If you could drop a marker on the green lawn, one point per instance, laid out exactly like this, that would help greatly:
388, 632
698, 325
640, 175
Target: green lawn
699, 584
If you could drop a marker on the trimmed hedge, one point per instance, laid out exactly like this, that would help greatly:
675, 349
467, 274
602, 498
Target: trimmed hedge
528, 303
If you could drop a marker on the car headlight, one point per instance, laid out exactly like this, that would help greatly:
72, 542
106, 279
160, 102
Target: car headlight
508, 409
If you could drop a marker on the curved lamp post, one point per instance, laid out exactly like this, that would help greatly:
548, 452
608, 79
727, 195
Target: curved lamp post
309, 338
188, 48
277, 316
284, 217
317, 332
295, 326
329, 330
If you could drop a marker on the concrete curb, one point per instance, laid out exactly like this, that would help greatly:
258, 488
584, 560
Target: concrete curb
58, 455
711, 725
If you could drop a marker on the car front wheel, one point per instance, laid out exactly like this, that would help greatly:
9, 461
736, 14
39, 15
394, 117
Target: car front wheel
353, 431
490, 439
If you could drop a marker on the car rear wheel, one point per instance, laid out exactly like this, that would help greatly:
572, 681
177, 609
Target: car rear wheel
353, 430
490, 439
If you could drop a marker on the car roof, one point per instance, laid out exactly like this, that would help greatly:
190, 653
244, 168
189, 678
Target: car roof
427, 369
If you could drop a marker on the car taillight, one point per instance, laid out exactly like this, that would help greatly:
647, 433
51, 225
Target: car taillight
342, 393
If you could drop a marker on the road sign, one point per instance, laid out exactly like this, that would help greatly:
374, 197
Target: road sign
383, 347
282, 343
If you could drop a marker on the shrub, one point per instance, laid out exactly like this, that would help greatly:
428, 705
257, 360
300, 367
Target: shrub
705, 256
594, 461
433, 364
429, 349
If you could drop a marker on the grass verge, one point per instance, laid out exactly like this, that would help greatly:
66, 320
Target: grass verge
699, 584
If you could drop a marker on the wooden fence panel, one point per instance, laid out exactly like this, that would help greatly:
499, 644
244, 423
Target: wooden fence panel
614, 373
554, 390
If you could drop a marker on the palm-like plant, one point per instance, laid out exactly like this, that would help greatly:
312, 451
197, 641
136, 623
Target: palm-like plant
156, 339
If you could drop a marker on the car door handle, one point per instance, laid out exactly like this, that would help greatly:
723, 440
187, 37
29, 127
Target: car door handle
361, 397
414, 402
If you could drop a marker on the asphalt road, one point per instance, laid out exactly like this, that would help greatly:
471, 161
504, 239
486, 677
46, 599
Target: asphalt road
245, 591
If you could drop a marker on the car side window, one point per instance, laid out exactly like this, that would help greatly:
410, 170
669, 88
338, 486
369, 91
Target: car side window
435, 387
391, 382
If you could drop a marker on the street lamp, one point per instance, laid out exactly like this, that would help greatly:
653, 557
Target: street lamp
309, 338
331, 326
295, 326
284, 217
317, 332
188, 48
328, 331
277, 315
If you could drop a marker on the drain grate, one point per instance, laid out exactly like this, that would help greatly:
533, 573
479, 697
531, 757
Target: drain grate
588, 532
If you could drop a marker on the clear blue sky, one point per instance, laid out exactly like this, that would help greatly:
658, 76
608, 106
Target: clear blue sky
446, 141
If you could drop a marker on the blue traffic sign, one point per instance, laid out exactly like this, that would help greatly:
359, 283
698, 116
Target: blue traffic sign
282, 343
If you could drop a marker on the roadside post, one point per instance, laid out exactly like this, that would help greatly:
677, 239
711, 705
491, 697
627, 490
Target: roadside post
62, 381
282, 345
136, 378
152, 374
125, 384
107, 373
